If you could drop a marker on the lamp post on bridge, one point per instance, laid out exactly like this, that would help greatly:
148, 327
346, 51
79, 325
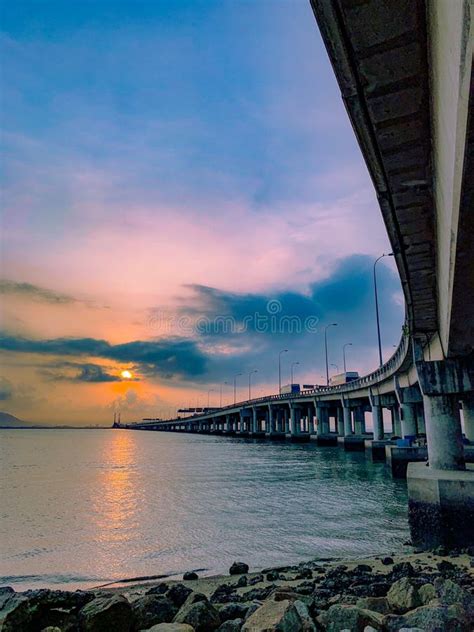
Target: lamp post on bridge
326, 349
336, 367
279, 369
390, 254
220, 400
250, 385
348, 344
235, 385
293, 364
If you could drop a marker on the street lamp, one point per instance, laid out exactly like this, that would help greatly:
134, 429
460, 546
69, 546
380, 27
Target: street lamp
279, 368
326, 349
390, 254
235, 384
348, 344
220, 401
336, 367
211, 390
250, 386
291, 370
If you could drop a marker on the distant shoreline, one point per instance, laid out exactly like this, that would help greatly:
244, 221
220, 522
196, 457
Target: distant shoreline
55, 427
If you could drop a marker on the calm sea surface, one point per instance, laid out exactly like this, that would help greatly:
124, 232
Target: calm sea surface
84, 507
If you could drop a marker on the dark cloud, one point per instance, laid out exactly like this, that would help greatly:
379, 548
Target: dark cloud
170, 357
75, 372
35, 292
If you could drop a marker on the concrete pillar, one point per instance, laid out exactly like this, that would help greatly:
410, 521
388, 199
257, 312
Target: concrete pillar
340, 421
443, 432
468, 414
420, 419
310, 420
227, 423
323, 420
346, 411
294, 429
377, 420
254, 421
396, 423
359, 420
408, 420
286, 414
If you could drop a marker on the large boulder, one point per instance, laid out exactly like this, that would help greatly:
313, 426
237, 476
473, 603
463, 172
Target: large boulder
152, 609
427, 593
280, 616
201, 615
232, 625
104, 614
178, 593
341, 616
432, 618
238, 568
403, 596
233, 611
450, 593
34, 610
376, 604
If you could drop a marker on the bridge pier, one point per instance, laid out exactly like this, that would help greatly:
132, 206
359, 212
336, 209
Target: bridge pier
468, 415
441, 496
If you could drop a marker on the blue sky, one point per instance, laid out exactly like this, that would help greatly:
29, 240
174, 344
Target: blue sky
153, 149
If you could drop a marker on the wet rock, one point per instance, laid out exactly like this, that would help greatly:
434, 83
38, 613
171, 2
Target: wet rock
51, 628
255, 580
178, 593
161, 589
36, 609
190, 576
427, 593
225, 593
233, 625
432, 618
233, 611
280, 616
152, 609
403, 596
287, 593
340, 617
258, 594
403, 569
170, 627
6, 592
376, 604
445, 567
450, 593
104, 614
304, 573
201, 615
272, 576
238, 568
387, 561
242, 583
363, 568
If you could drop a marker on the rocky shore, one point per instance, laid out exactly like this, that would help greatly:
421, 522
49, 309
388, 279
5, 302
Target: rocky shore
428, 592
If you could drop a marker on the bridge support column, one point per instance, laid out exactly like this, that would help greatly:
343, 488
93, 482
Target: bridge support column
340, 421
377, 420
441, 496
254, 429
396, 423
294, 421
227, 424
310, 420
468, 415
359, 420
408, 420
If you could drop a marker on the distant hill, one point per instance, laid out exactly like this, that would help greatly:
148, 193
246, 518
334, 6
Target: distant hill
10, 421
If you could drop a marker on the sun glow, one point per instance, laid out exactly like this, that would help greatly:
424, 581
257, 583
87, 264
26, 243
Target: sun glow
126, 375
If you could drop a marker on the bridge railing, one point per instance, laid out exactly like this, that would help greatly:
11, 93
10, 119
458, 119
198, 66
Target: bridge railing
386, 370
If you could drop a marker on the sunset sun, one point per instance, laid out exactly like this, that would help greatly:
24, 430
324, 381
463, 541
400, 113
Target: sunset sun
127, 375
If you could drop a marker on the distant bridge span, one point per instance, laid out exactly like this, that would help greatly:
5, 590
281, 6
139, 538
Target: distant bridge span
404, 68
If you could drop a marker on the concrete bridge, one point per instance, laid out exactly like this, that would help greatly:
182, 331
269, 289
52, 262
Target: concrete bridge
404, 68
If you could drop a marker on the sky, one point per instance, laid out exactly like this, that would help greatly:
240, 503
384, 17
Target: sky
183, 198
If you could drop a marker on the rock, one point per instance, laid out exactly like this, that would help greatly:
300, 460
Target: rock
34, 610
170, 627
450, 593
258, 594
376, 604
369, 628
103, 614
233, 625
190, 576
242, 583
363, 568
445, 567
178, 593
238, 568
201, 615
427, 593
305, 573
280, 616
403, 596
432, 618
51, 628
272, 576
161, 589
225, 593
403, 569
152, 609
342, 616
233, 611
255, 580
6, 592
387, 561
